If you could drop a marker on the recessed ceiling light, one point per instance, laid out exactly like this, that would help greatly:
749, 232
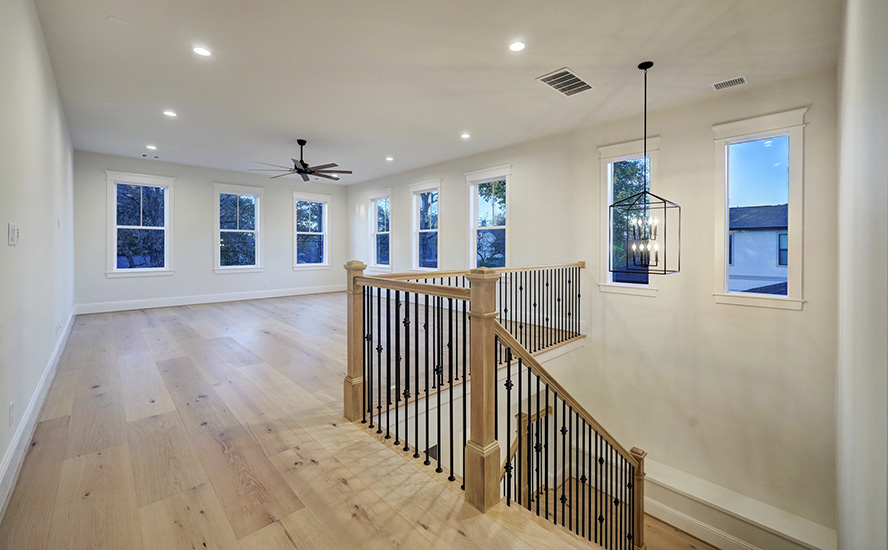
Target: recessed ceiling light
516, 46
171, 114
200, 50
389, 159
466, 135
151, 147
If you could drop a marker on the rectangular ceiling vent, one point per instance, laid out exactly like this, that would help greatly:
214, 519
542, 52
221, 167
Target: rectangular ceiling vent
565, 81
739, 81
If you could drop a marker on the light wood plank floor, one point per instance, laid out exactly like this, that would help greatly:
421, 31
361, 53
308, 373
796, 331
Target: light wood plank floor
219, 426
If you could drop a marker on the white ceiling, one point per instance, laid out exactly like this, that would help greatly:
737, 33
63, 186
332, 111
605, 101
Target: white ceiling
362, 80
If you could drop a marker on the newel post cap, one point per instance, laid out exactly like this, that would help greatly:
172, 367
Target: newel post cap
355, 265
483, 274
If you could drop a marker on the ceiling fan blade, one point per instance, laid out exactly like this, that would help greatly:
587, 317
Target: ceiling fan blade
321, 167
275, 165
333, 171
269, 170
304, 177
281, 175
325, 176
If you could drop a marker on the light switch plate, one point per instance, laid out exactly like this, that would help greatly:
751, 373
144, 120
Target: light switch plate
13, 234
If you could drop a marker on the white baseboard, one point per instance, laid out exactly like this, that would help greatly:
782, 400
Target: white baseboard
126, 305
725, 518
18, 446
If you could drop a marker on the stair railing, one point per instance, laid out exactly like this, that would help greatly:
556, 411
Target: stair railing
415, 340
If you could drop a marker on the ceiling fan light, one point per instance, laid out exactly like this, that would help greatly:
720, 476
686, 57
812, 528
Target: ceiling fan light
201, 51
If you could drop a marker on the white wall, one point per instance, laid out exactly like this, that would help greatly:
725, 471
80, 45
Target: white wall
863, 278
741, 397
193, 233
36, 293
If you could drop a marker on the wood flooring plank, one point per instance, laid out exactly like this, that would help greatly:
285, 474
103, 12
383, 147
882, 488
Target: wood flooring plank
300, 530
179, 328
192, 519
284, 392
164, 463
251, 491
198, 405
60, 399
28, 515
96, 503
97, 422
162, 345
142, 388
128, 337
211, 363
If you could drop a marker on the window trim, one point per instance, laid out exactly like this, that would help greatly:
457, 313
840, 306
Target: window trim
228, 189
325, 200
473, 180
416, 190
112, 178
609, 154
373, 197
788, 123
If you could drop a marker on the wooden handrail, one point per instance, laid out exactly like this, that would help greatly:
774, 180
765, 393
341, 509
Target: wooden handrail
420, 288
456, 273
517, 349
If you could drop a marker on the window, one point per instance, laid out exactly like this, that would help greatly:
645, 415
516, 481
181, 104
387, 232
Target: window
758, 211
139, 236
623, 171
310, 220
380, 228
237, 244
425, 224
489, 208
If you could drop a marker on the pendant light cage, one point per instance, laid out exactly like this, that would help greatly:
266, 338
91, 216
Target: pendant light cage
649, 229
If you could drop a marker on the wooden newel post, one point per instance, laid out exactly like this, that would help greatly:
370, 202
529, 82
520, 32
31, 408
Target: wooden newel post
354, 378
482, 450
638, 493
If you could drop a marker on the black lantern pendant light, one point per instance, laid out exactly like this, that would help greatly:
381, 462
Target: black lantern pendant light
650, 224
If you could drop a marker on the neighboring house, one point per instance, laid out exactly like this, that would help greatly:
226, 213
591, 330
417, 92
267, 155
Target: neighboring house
758, 249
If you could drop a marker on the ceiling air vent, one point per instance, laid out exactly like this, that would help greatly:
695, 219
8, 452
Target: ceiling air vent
739, 81
565, 81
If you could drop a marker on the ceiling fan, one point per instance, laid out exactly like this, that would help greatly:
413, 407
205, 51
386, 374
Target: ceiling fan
303, 169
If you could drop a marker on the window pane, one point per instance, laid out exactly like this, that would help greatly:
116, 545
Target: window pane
382, 214
140, 248
227, 211
246, 214
382, 249
129, 204
758, 201
499, 203
428, 249
628, 178
152, 206
485, 204
317, 217
491, 247
237, 248
428, 210
309, 249
303, 216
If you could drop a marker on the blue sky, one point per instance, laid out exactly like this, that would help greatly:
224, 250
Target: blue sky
758, 172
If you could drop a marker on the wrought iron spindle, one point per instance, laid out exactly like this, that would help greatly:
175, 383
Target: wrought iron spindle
538, 446
379, 350
563, 460
519, 488
406, 371
451, 477
555, 458
508, 386
416, 376
439, 370
465, 347
368, 383
397, 388
388, 362
425, 328
546, 456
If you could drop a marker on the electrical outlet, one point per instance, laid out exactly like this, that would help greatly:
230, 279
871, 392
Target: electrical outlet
13, 234
11, 413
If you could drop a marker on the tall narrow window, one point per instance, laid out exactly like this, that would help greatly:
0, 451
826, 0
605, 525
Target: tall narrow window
425, 224
310, 220
490, 215
626, 178
382, 213
237, 228
759, 204
139, 219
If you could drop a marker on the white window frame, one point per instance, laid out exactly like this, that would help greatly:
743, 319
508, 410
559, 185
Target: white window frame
473, 180
256, 193
113, 178
788, 123
608, 155
325, 200
375, 197
416, 190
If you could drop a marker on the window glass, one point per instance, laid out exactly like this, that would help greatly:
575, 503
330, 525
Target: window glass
428, 210
129, 204
237, 230
310, 232
627, 179
758, 208
382, 228
428, 249
141, 222
490, 242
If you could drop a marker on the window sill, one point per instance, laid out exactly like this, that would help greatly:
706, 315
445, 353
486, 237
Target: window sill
615, 288
139, 273
424, 269
759, 300
379, 269
311, 267
236, 269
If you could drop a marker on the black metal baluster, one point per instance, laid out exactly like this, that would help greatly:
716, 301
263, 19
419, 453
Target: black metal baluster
632, 506
555, 457
536, 311
397, 390
465, 394
388, 362
546, 450
539, 447
563, 459
416, 376
439, 371
379, 349
406, 371
610, 499
570, 466
529, 442
368, 350
518, 459
364, 356
451, 477
582, 510
428, 398
508, 385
